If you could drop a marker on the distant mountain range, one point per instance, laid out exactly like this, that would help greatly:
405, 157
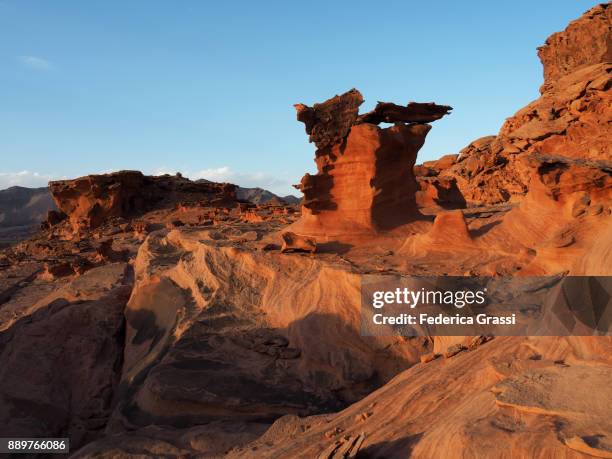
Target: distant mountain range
261, 196
21, 211
20, 206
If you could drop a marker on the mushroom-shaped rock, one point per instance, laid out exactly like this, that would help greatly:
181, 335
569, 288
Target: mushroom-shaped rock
365, 181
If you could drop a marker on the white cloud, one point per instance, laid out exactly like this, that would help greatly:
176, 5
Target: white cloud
23, 178
35, 63
163, 171
244, 179
220, 174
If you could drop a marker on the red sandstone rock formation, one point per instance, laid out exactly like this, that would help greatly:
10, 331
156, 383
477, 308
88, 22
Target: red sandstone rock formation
365, 181
89, 201
414, 112
572, 118
329, 123
220, 338
509, 394
437, 191
584, 42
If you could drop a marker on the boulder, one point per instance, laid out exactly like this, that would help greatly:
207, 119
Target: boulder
329, 122
295, 243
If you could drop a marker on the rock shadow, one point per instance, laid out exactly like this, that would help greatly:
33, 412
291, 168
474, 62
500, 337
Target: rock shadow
336, 247
396, 448
484, 229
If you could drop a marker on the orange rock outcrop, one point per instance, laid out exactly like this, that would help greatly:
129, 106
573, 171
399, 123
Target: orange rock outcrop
572, 118
91, 200
365, 181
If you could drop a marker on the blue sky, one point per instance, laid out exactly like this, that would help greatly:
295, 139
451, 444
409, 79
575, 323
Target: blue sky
207, 87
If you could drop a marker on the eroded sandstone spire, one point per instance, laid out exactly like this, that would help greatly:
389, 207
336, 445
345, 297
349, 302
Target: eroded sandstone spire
365, 180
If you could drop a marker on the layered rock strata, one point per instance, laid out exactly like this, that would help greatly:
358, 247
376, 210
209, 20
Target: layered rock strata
571, 119
91, 200
365, 181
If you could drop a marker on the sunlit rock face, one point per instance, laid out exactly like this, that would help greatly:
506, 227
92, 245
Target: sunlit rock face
584, 42
571, 119
365, 181
91, 200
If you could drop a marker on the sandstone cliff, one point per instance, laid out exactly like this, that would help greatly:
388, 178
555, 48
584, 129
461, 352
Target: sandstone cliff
571, 119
